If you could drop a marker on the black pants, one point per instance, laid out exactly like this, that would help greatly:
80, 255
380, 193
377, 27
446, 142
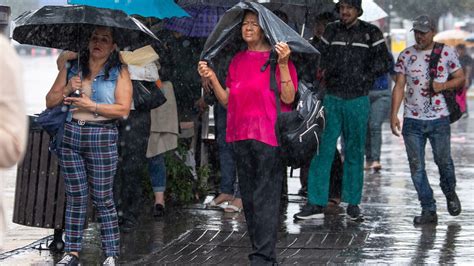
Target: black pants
133, 141
335, 181
260, 179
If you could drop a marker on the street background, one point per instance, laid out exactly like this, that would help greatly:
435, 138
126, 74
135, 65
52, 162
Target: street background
386, 236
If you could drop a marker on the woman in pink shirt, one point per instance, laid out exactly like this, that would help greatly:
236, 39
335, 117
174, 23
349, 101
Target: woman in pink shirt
251, 118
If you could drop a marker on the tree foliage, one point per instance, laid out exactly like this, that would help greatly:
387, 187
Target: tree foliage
409, 9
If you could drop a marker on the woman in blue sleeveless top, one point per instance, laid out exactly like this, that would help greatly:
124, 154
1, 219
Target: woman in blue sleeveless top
99, 91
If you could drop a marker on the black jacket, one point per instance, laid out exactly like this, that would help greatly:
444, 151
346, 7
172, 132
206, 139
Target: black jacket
352, 58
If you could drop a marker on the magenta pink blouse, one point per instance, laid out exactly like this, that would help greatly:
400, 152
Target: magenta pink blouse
251, 109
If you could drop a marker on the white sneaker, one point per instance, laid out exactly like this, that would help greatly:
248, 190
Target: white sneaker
109, 261
69, 259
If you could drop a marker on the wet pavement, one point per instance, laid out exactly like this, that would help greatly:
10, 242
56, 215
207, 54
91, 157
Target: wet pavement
196, 235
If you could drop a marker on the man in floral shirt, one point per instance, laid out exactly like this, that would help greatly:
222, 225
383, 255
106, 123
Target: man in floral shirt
426, 116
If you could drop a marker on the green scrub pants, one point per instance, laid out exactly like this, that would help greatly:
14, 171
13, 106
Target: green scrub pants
350, 117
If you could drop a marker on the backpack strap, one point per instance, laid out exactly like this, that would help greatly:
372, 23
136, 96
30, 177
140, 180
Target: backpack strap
273, 85
433, 66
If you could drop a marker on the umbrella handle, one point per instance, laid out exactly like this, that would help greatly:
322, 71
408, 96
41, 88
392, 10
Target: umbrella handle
79, 62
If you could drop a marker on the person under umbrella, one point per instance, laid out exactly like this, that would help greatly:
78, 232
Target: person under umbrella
252, 110
251, 121
88, 153
106, 95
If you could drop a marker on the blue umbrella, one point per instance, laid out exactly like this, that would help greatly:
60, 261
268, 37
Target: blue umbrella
145, 8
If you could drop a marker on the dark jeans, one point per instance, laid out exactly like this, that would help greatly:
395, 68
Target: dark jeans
379, 111
438, 132
157, 170
229, 182
260, 175
133, 140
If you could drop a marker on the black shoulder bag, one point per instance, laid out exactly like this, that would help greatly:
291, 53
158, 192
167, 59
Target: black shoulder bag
449, 95
299, 131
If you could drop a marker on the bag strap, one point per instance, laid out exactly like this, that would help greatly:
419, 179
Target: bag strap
433, 66
273, 85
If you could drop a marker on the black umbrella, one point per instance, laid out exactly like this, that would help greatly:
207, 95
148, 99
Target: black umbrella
227, 32
299, 12
69, 27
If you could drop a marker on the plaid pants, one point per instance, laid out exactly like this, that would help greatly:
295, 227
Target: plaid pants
88, 159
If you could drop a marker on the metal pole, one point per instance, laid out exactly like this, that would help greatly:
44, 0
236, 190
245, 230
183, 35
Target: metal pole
387, 4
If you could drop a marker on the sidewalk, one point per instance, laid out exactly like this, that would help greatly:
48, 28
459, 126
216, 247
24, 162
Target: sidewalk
196, 235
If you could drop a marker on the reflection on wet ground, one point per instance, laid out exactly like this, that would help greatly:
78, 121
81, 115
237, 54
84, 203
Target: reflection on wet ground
196, 235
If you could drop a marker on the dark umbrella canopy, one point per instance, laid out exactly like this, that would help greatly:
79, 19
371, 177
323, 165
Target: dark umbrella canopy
69, 27
299, 11
201, 22
227, 32
204, 15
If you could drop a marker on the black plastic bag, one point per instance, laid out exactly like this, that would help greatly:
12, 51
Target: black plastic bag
227, 33
146, 95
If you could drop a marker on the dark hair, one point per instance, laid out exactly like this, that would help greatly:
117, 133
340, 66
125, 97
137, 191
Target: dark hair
325, 17
247, 11
112, 61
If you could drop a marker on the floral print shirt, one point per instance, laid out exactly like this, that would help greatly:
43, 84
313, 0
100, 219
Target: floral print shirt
414, 64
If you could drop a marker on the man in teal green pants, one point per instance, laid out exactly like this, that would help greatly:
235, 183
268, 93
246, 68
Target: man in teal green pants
353, 54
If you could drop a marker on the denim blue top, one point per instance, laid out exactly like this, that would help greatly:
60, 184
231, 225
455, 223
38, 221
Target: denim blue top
103, 90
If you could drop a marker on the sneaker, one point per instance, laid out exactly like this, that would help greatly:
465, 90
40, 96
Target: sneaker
454, 205
310, 211
69, 259
109, 260
353, 211
159, 210
426, 217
